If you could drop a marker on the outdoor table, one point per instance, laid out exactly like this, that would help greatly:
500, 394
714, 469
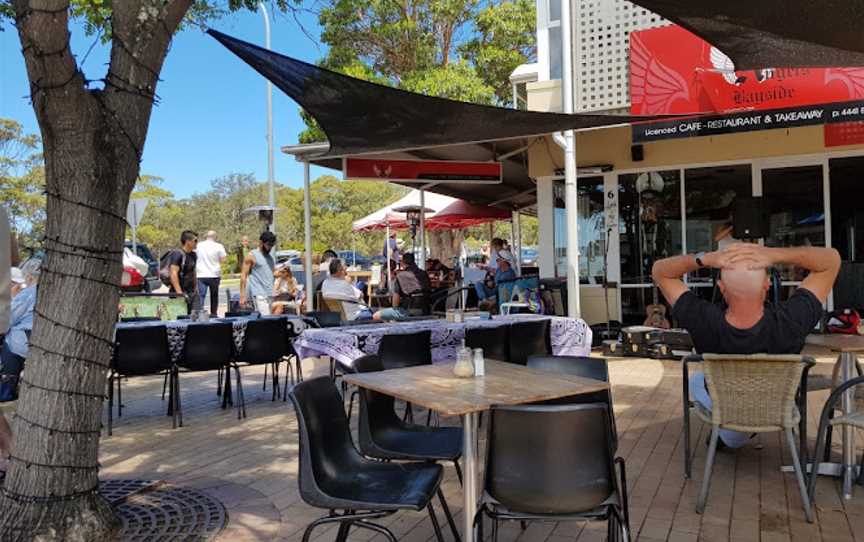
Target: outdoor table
847, 348
569, 337
436, 388
177, 330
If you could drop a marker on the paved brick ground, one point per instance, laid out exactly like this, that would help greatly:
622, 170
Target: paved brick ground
252, 467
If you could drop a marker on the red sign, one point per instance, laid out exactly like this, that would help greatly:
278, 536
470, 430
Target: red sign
844, 133
673, 71
422, 171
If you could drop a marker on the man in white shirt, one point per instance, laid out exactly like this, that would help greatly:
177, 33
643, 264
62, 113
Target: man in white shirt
337, 287
208, 269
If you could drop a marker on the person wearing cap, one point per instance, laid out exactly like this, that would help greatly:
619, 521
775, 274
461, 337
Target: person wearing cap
16, 277
256, 278
487, 291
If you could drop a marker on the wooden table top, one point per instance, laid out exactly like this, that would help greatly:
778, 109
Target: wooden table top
437, 388
838, 343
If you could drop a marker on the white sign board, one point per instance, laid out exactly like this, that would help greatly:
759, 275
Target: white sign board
135, 211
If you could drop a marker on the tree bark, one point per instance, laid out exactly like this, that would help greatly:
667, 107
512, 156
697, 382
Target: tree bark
92, 141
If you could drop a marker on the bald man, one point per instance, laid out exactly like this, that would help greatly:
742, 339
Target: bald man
748, 325
208, 269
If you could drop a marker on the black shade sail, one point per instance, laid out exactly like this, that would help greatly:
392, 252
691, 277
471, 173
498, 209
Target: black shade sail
362, 118
759, 34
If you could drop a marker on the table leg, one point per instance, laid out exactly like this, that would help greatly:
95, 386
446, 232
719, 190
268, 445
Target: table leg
469, 482
848, 362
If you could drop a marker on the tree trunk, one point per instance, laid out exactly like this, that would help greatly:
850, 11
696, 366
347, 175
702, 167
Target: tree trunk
445, 244
49, 489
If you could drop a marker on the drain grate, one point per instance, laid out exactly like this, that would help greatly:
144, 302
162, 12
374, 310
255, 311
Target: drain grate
151, 511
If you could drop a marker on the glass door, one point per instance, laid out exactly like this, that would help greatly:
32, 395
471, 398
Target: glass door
794, 201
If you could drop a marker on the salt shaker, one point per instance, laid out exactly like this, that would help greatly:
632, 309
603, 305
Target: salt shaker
479, 362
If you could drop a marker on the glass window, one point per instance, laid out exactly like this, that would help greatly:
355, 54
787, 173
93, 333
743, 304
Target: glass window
592, 234
556, 54
649, 222
847, 230
554, 10
796, 211
708, 200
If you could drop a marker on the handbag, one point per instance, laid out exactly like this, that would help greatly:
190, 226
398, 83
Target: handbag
10, 374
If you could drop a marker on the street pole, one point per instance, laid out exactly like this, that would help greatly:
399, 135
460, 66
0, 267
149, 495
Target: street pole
422, 258
307, 238
571, 193
270, 158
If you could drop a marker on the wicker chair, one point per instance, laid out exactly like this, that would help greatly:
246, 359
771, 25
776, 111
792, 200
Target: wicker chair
753, 394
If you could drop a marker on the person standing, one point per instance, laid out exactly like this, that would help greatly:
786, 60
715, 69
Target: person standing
208, 269
256, 278
182, 264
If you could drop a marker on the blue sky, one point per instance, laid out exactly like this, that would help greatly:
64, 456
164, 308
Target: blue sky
211, 119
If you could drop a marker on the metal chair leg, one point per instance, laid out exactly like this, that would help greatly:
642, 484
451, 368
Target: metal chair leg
110, 403
449, 516
799, 474
164, 385
342, 534
265, 378
218, 382
458, 471
178, 407
435, 526
709, 466
119, 378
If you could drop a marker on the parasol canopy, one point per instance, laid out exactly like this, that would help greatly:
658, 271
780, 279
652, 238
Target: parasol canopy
447, 213
773, 33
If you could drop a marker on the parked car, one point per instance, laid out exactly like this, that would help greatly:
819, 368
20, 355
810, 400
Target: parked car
529, 256
151, 279
354, 259
285, 255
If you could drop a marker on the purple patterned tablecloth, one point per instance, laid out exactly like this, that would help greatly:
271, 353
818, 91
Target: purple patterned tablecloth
570, 337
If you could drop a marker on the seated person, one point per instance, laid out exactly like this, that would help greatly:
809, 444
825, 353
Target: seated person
284, 290
410, 279
14, 348
337, 287
748, 325
487, 290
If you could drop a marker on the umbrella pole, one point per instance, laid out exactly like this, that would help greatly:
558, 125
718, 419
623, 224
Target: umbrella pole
307, 238
387, 254
422, 261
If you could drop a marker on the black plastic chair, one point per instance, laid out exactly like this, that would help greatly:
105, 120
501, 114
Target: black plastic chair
553, 463
495, 341
382, 435
208, 347
128, 319
263, 343
140, 351
528, 339
242, 314
595, 368
400, 350
324, 318
334, 476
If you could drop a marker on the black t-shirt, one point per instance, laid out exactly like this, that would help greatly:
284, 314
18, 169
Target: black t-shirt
187, 269
782, 329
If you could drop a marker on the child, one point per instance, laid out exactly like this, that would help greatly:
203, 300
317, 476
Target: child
284, 289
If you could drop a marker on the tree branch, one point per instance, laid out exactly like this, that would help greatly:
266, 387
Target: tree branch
43, 29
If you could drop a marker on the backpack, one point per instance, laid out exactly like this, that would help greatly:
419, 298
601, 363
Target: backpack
845, 321
165, 267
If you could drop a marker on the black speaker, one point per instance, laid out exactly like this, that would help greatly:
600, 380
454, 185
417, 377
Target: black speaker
637, 153
749, 220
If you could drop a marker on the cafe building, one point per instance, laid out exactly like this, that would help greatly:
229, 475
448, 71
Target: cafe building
791, 138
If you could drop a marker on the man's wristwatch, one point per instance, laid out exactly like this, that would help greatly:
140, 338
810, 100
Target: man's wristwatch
698, 256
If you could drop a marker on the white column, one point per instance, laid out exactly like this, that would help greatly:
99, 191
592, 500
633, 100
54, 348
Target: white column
516, 240
307, 238
571, 194
546, 227
387, 252
422, 262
